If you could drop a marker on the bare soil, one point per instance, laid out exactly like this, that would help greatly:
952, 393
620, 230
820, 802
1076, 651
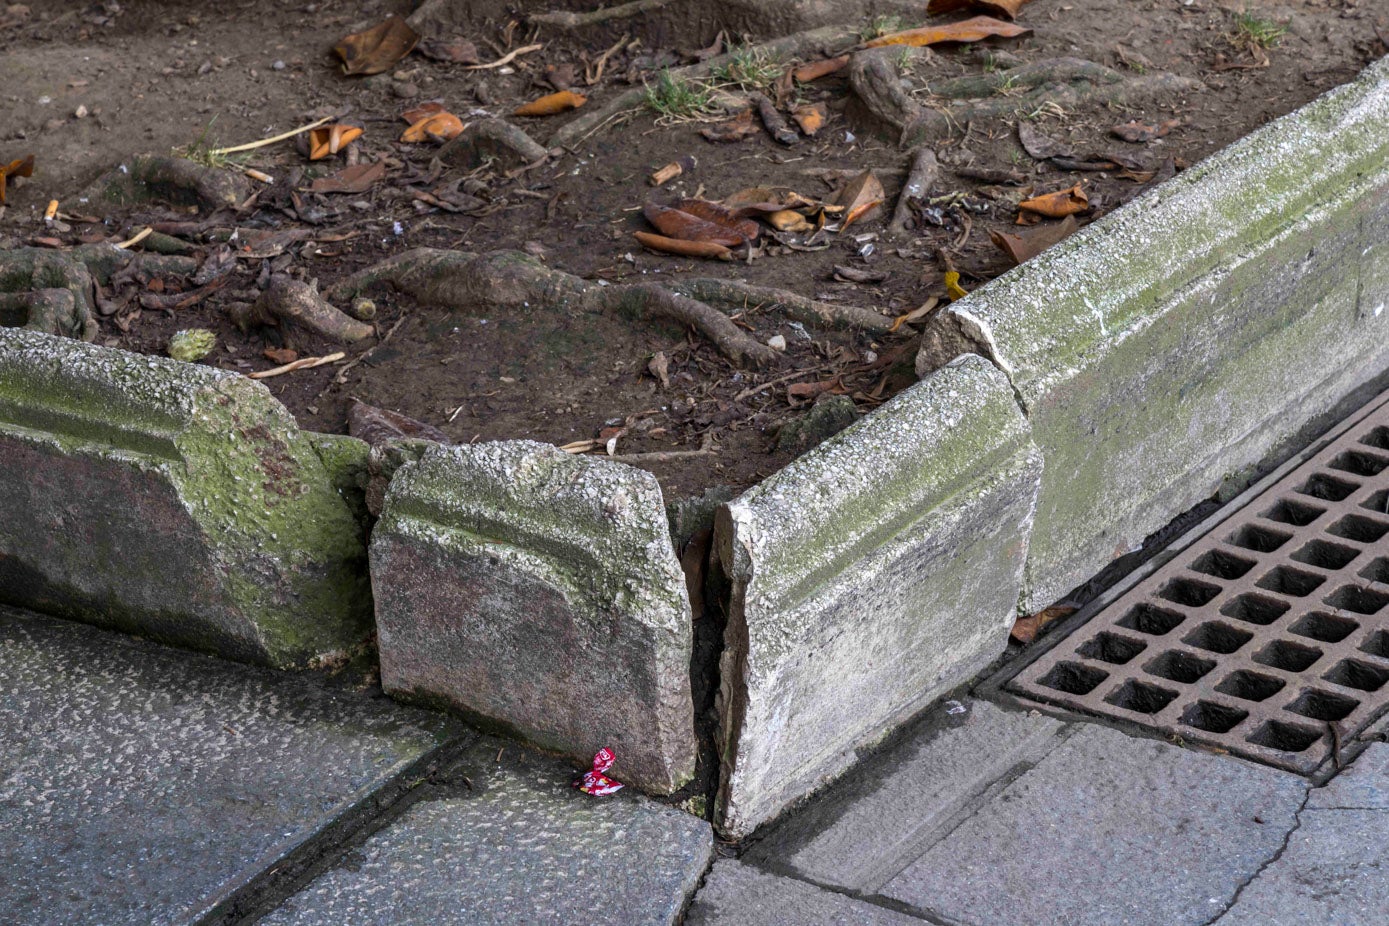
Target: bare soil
85, 85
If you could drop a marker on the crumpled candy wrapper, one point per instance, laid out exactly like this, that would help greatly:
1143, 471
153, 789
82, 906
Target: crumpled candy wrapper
594, 781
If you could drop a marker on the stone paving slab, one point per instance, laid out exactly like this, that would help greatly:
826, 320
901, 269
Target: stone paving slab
875, 822
143, 786
735, 894
522, 846
1335, 872
1108, 830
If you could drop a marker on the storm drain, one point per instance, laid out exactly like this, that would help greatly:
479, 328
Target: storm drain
1269, 636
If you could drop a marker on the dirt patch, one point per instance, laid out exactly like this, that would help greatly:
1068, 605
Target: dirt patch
88, 85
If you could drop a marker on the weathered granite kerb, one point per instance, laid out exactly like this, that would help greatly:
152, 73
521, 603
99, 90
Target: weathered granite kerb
869, 576
539, 592
173, 501
1184, 338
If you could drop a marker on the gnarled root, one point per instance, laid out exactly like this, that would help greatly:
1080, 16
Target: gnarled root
292, 303
174, 180
734, 294
566, 19
31, 280
509, 279
52, 311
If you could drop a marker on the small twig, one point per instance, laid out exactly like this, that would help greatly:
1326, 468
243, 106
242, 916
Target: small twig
141, 236
505, 59
303, 363
749, 393
597, 75
270, 141
342, 374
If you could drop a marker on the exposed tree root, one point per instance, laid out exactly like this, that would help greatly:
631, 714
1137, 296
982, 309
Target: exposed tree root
568, 20
31, 278
925, 169
511, 279
292, 303
736, 295
52, 311
494, 139
1063, 82
173, 180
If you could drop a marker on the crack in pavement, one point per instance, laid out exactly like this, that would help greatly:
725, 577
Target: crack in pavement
1269, 862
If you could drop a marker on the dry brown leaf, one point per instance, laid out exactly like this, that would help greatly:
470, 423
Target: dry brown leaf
788, 220
1139, 133
1025, 629
281, 355
455, 50
1056, 205
810, 117
1024, 247
438, 127
916, 314
358, 178
659, 367
379, 425
817, 69
738, 128
327, 140
860, 197
378, 48
720, 215
969, 30
20, 167
803, 391
1008, 8
553, 104
423, 111
683, 248
677, 223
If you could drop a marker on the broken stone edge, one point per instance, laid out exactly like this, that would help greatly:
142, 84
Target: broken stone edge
171, 501
1166, 350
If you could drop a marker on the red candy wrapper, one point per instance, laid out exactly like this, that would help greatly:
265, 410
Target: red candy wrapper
594, 781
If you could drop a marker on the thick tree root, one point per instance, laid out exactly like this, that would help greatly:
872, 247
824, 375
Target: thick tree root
52, 311
173, 180
30, 279
1063, 82
568, 20
739, 296
511, 279
290, 303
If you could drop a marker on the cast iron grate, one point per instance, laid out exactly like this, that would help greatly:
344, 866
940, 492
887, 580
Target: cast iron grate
1269, 636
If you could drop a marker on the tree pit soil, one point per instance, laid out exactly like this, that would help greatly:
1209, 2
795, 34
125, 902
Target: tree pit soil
86, 85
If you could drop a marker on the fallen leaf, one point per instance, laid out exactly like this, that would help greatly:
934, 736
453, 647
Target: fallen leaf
1139, 133
1057, 205
561, 76
804, 391
378, 48
379, 425
580, 446
454, 50
1025, 629
1008, 8
1039, 145
659, 367
738, 128
552, 104
788, 220
860, 197
20, 167
953, 289
327, 140
916, 314
817, 69
676, 223
969, 30
1024, 247
358, 178
721, 215
683, 248
423, 111
281, 355
438, 127
810, 117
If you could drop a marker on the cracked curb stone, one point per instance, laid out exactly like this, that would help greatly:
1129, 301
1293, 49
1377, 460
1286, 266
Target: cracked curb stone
735, 894
143, 786
172, 501
869, 576
1108, 830
540, 592
522, 847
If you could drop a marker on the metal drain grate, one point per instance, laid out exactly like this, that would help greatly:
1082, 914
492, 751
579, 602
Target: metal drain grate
1269, 636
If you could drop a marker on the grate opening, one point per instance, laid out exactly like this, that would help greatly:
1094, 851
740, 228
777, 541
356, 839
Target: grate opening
1212, 717
1288, 581
1140, 697
1376, 570
1376, 644
1222, 565
1357, 599
1254, 609
1359, 464
1324, 627
1254, 537
1149, 619
1327, 488
1110, 647
1361, 530
1188, 592
1218, 638
1323, 705
1325, 555
1073, 678
1250, 686
1377, 502
1352, 673
1288, 656
1377, 437
1287, 737
1177, 666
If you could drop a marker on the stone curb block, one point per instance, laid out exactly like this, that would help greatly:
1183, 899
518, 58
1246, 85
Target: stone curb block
172, 501
869, 576
539, 592
1178, 342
